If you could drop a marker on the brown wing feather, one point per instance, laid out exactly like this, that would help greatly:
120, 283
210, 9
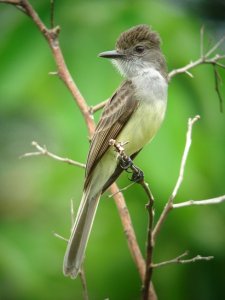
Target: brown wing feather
116, 113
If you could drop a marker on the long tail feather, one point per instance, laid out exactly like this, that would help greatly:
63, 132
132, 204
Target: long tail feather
81, 230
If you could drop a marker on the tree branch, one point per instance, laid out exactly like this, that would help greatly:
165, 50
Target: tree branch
51, 35
42, 151
215, 61
129, 231
202, 60
97, 107
150, 244
169, 204
178, 260
212, 201
138, 177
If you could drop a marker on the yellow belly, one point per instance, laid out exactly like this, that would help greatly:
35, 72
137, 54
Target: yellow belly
142, 126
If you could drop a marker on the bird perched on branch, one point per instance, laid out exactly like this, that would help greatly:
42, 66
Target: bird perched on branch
133, 114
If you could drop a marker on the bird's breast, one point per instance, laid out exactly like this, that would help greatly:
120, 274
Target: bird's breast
151, 93
142, 126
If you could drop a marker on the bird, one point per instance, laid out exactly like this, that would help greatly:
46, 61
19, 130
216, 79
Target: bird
131, 116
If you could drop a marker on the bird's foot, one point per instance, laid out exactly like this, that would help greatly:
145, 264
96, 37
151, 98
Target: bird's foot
127, 164
138, 175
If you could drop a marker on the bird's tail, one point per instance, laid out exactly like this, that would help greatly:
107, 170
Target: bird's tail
79, 237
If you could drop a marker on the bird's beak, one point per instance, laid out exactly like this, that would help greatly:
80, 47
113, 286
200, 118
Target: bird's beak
114, 54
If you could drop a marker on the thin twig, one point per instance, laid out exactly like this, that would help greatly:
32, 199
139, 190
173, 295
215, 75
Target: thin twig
42, 151
178, 260
13, 2
84, 283
60, 237
150, 245
217, 82
212, 201
194, 64
97, 107
169, 204
122, 189
216, 46
205, 59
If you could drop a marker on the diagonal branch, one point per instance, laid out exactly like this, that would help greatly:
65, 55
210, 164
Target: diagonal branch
98, 106
217, 82
169, 204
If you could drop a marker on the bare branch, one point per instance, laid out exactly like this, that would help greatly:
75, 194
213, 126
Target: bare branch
84, 283
178, 260
150, 243
122, 189
212, 201
60, 237
202, 60
184, 157
169, 204
138, 177
97, 107
216, 46
217, 82
13, 2
129, 230
51, 35
42, 151
205, 59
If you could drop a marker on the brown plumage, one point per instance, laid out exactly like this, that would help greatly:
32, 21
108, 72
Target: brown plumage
136, 35
116, 113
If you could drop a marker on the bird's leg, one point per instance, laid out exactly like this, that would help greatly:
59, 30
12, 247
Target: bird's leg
126, 162
138, 175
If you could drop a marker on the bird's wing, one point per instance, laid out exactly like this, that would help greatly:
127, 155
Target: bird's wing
116, 113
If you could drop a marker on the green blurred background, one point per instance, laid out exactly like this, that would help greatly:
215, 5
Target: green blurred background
35, 192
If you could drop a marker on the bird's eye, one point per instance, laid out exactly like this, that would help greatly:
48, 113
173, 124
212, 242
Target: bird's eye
139, 49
